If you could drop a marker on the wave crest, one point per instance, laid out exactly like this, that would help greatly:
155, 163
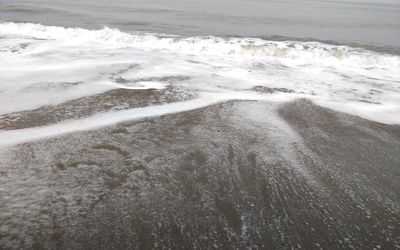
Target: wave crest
298, 52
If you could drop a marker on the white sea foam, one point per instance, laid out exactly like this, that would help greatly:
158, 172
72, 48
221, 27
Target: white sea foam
303, 51
97, 121
47, 65
143, 85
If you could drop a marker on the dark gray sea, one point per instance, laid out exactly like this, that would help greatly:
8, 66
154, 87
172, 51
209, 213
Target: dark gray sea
367, 22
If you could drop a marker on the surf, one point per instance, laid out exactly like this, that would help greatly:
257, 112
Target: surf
44, 66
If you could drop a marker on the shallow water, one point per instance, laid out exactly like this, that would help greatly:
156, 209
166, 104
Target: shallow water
225, 48
49, 65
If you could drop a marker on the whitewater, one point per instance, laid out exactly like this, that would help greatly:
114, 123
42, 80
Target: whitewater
47, 65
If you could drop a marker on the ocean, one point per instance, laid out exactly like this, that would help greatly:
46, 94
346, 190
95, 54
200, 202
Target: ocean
362, 22
184, 124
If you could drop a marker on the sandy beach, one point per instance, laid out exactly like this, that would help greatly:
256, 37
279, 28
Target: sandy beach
289, 176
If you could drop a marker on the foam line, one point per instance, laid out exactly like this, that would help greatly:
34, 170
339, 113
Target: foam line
13, 137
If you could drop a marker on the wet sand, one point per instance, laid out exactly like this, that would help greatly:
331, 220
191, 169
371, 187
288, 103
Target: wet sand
233, 175
113, 100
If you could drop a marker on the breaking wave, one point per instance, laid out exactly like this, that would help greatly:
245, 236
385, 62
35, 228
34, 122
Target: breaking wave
302, 52
47, 66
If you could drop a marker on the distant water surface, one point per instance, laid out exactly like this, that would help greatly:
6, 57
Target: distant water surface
365, 22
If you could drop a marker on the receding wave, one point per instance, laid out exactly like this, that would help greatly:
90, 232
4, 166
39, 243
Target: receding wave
44, 67
302, 52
